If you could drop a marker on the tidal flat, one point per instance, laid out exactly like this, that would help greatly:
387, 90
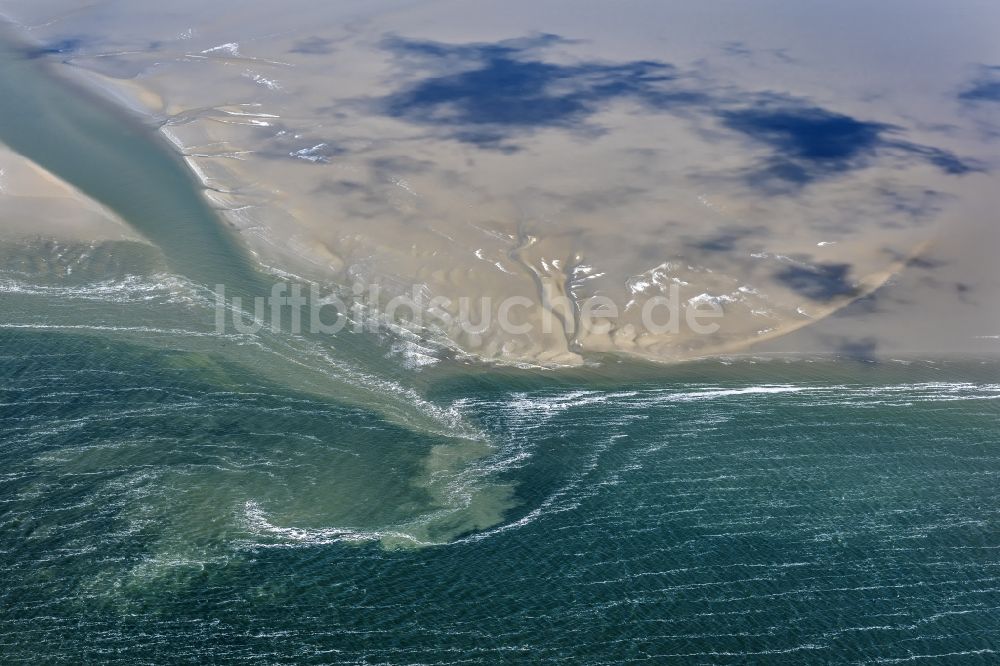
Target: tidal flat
557, 157
199, 468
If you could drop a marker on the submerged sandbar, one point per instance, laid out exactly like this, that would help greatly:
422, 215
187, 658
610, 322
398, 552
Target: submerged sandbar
444, 149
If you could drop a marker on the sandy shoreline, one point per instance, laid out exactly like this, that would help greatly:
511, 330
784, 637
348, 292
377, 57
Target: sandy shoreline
35, 203
334, 191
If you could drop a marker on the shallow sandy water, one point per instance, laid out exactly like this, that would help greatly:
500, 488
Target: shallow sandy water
175, 495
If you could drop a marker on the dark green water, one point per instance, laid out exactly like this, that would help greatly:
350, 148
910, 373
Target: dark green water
170, 495
157, 513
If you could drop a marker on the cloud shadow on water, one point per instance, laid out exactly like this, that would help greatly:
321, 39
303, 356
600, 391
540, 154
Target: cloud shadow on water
822, 282
729, 238
810, 143
504, 89
985, 87
492, 94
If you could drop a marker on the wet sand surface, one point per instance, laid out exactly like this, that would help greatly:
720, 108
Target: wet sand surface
177, 493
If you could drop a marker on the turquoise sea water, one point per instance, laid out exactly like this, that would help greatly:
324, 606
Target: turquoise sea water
170, 495
155, 510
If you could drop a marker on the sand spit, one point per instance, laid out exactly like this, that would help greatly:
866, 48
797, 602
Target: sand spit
34, 203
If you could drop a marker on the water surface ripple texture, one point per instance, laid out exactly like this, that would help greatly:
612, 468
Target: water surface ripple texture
173, 494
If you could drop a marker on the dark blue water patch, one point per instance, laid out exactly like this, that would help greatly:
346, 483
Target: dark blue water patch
506, 88
944, 160
811, 134
490, 94
313, 46
441, 51
985, 87
915, 205
822, 282
810, 143
729, 238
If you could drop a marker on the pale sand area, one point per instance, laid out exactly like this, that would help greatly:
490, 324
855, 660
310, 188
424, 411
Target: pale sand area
34, 204
52, 231
466, 151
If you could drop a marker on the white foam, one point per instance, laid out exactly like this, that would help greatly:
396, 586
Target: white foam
309, 154
128, 289
231, 48
256, 520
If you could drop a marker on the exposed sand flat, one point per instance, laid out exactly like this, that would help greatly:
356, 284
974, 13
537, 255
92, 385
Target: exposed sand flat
34, 203
461, 151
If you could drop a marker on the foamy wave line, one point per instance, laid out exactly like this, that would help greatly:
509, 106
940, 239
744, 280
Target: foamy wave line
131, 288
450, 418
528, 412
166, 288
256, 520
113, 329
